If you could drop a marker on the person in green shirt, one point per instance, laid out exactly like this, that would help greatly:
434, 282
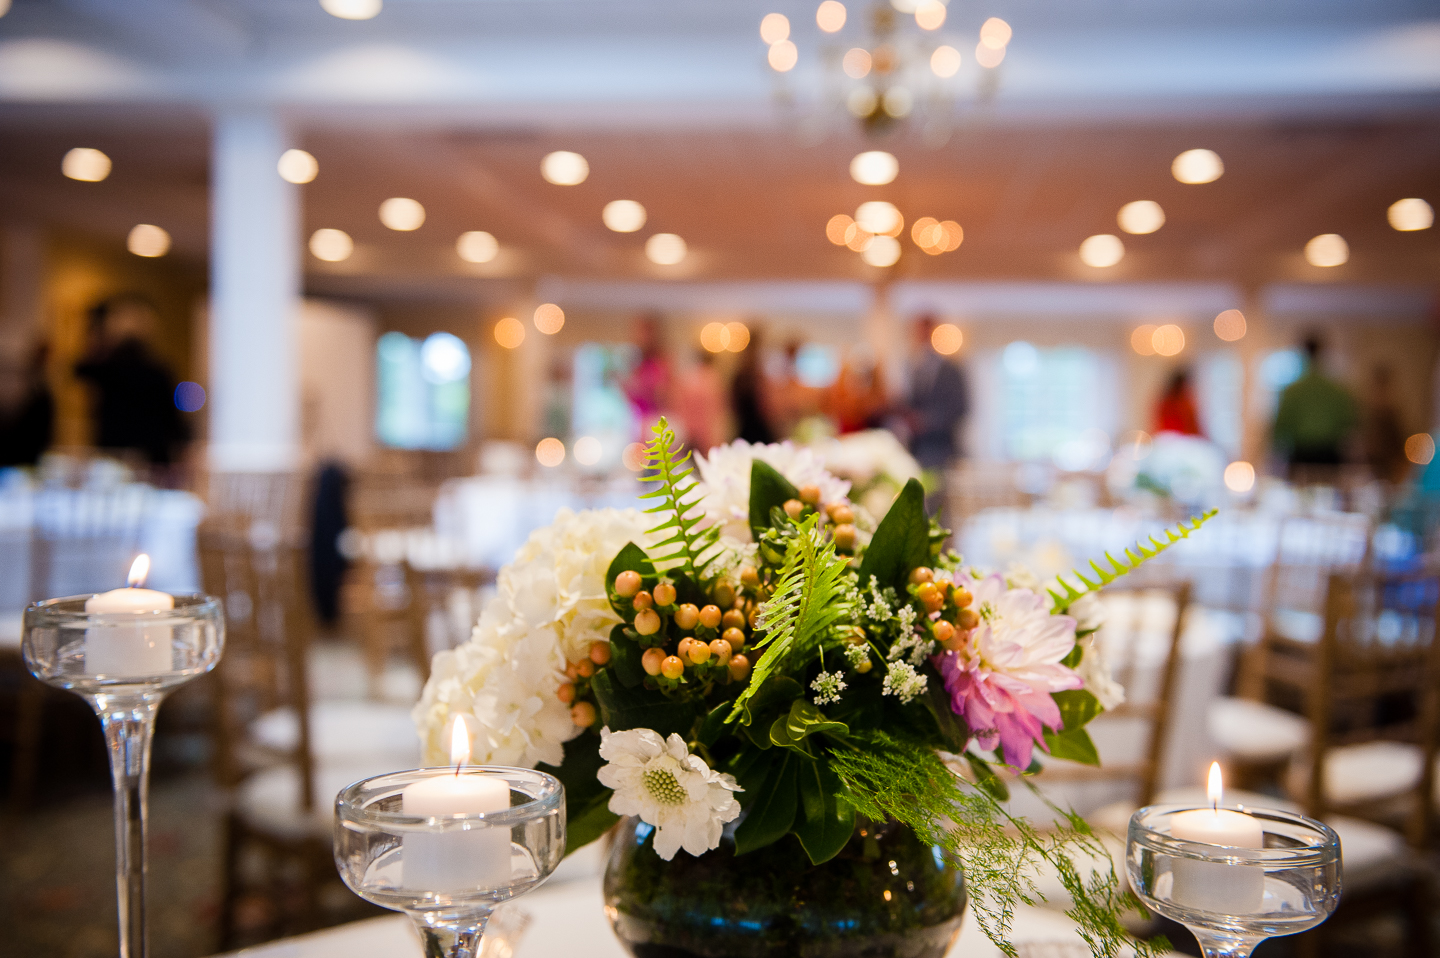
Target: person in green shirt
1316, 415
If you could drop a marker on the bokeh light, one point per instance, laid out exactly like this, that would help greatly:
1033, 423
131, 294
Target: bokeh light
623, 216
588, 450
510, 332
352, 9
1197, 166
1327, 250
1142, 340
714, 337
402, 214
148, 240
879, 217
444, 358
947, 339
930, 15
634, 456
839, 228
1102, 251
477, 246
665, 249
898, 101
739, 336
883, 251
936, 237
549, 318
1168, 340
989, 57
945, 61
783, 56
1141, 216
1420, 449
774, 28
858, 239
856, 63
1230, 325
995, 33
1239, 476
1410, 214
564, 168
85, 165
189, 397
830, 16
298, 167
874, 168
332, 246
550, 452
861, 102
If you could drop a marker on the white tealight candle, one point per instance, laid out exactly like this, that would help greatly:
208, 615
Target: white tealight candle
1216, 886
454, 861
130, 651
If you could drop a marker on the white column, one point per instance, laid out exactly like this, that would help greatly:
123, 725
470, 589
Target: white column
254, 397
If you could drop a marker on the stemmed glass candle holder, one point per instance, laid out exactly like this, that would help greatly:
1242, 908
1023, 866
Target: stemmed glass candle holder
123, 654
447, 845
1230, 897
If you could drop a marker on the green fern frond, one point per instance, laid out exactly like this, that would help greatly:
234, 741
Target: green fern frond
688, 548
1130, 563
807, 601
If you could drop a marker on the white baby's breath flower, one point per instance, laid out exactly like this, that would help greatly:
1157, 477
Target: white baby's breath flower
827, 687
725, 480
661, 782
856, 655
902, 681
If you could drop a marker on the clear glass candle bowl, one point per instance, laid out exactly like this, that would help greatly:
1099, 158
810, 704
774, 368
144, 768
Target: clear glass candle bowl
116, 652
1236, 895
373, 835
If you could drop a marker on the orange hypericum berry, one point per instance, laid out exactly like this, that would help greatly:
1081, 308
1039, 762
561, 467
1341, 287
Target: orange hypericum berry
627, 583
687, 616
961, 596
844, 537
921, 575
647, 622
810, 494
721, 650
664, 594
643, 600
565, 693
733, 619
699, 652
967, 618
583, 714
710, 616
749, 576
585, 668
672, 667
724, 595
651, 661
841, 514
739, 667
599, 652
793, 508
736, 638
943, 630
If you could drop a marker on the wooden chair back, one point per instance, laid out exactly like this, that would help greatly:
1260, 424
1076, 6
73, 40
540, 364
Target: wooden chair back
83, 540
263, 505
432, 592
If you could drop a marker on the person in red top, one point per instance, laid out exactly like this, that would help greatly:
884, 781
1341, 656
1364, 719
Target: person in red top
1176, 411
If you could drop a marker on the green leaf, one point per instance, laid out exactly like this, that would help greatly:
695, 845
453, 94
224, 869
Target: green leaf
828, 820
1077, 707
1072, 744
625, 655
780, 735
622, 708
773, 691
1072, 660
750, 767
773, 812
902, 541
689, 545
1134, 558
714, 725
768, 490
805, 719
588, 823
986, 778
632, 558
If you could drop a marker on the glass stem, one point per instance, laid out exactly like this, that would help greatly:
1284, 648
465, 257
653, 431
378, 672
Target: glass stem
129, 723
451, 936
1217, 945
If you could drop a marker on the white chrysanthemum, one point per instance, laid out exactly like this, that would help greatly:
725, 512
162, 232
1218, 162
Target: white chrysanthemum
1088, 612
725, 480
549, 606
1095, 672
660, 781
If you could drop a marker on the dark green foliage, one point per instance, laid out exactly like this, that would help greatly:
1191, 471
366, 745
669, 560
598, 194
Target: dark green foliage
772, 811
622, 708
768, 491
1072, 744
902, 541
827, 819
1077, 707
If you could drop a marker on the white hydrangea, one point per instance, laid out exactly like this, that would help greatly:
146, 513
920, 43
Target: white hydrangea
725, 480
550, 605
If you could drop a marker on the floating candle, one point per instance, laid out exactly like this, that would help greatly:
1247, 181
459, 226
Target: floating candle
130, 651
457, 860
1218, 886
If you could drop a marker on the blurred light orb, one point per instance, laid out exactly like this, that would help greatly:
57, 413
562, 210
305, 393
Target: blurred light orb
564, 168
352, 9
899, 101
1168, 340
1020, 359
1230, 325
857, 239
402, 214
945, 61
189, 397
874, 168
588, 450
930, 15
989, 57
332, 246
739, 337
509, 333
550, 452
714, 337
444, 358
783, 56
665, 249
839, 229
1327, 250
1410, 214
947, 339
298, 167
477, 246
995, 33
830, 16
1141, 216
85, 164
856, 63
4, 7
1420, 449
1102, 250
905, 6
774, 28
883, 251
1197, 166
549, 318
634, 456
623, 216
1239, 476
861, 102
879, 217
148, 240
1142, 340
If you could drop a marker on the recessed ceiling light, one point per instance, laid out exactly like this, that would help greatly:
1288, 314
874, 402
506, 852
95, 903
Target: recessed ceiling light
945, 61
85, 164
332, 246
774, 28
1102, 250
665, 249
1411, 214
148, 240
874, 168
878, 216
1327, 249
1141, 216
783, 56
564, 168
477, 246
402, 214
623, 216
1197, 166
297, 166
995, 33
830, 16
882, 251
352, 9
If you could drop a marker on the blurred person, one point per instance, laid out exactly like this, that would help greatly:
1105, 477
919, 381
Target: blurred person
793, 400
1176, 410
1383, 433
27, 408
134, 390
559, 398
700, 404
938, 402
648, 385
1316, 415
749, 393
857, 399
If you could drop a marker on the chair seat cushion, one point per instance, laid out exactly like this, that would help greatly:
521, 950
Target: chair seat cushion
1363, 773
1370, 854
269, 800
1255, 732
345, 732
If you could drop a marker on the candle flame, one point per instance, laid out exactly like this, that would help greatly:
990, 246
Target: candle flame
1216, 789
459, 746
139, 571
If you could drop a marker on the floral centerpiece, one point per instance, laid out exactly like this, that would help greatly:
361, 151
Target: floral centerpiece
747, 664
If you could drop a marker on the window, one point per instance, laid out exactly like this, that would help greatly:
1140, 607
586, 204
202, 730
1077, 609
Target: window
1056, 404
600, 408
423, 390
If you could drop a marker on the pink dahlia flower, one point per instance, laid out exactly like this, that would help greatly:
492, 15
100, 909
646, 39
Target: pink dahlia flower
1000, 681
